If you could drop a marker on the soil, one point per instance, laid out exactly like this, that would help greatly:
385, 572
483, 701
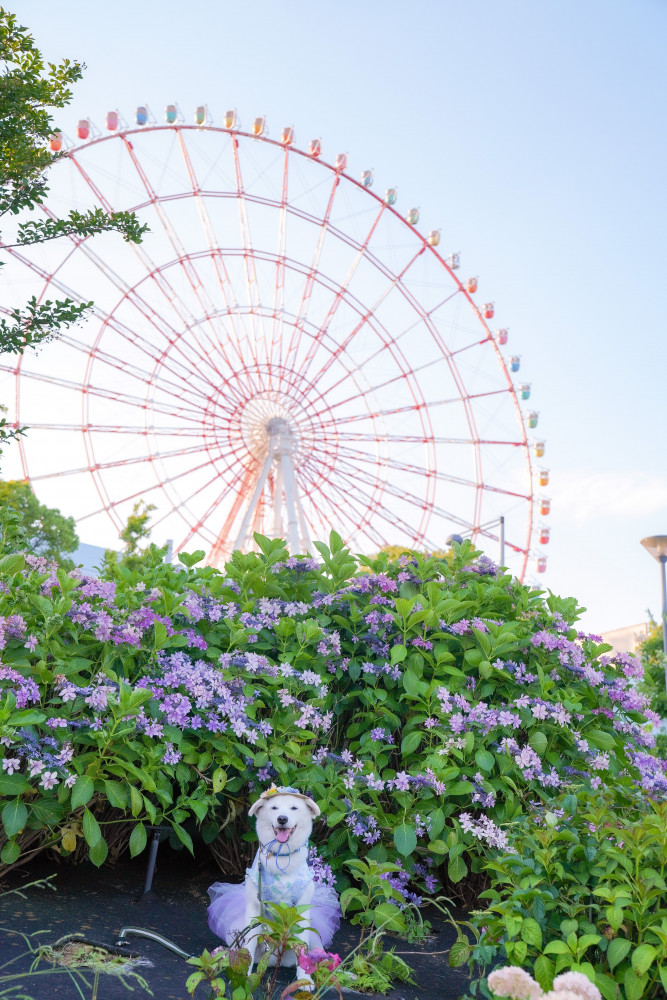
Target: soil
97, 903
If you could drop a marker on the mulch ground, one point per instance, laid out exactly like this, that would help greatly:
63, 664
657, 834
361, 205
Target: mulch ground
99, 902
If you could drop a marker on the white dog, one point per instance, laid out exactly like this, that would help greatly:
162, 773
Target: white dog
279, 874
284, 824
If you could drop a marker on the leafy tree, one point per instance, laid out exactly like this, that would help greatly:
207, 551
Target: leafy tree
29, 90
134, 558
653, 659
45, 531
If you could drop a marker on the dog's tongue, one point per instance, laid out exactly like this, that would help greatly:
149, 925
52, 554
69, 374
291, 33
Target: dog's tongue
282, 835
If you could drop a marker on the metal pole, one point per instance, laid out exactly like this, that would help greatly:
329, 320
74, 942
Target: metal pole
502, 540
663, 561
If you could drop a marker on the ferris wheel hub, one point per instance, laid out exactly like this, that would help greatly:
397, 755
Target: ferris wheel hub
269, 414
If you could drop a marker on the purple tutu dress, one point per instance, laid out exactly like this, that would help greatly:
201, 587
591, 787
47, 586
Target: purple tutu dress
226, 914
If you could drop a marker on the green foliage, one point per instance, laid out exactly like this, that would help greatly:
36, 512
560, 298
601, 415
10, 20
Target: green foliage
373, 970
134, 559
44, 530
653, 659
29, 92
585, 893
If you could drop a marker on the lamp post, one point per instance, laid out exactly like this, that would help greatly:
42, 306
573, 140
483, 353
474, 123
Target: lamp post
657, 546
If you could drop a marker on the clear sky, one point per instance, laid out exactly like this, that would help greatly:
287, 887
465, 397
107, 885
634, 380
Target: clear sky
534, 134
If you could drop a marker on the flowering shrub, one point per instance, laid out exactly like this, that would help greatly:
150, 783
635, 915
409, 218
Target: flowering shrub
428, 704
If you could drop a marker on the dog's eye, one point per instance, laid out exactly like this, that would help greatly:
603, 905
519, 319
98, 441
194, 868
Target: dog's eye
293, 808
274, 807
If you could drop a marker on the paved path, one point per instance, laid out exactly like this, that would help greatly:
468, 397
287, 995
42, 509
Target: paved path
97, 903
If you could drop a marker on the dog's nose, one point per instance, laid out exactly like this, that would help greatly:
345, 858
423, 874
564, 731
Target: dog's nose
282, 820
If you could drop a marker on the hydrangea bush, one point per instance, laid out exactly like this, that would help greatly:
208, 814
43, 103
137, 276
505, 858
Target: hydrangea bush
429, 704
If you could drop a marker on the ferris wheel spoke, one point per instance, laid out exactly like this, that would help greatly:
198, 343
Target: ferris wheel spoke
417, 470
146, 489
346, 501
277, 319
226, 287
254, 298
421, 438
395, 281
194, 529
108, 319
342, 290
115, 394
156, 275
357, 477
183, 387
121, 462
409, 498
302, 311
139, 430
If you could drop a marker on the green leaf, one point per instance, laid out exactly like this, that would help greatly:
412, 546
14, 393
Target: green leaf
91, 828
389, 917
412, 685
405, 839
137, 840
410, 743
438, 847
543, 972
617, 950
14, 816
136, 801
600, 739
457, 869
634, 987
485, 760
531, 932
219, 780
556, 948
83, 791
190, 559
184, 837
10, 852
26, 717
98, 852
662, 969
13, 784
398, 654
459, 953
460, 788
643, 957
538, 742
116, 794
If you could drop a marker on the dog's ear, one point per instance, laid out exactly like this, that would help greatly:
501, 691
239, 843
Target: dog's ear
255, 807
312, 805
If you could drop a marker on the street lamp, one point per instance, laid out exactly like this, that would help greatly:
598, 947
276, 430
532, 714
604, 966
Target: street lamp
657, 546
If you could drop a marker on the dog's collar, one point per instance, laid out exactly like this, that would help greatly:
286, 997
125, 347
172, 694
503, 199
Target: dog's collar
268, 852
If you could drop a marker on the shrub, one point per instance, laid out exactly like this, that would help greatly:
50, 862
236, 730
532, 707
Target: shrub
430, 705
583, 891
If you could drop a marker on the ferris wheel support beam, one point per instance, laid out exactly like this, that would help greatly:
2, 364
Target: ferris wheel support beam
254, 500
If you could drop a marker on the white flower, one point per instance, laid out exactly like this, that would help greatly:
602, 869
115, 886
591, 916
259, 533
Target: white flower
49, 779
578, 983
515, 983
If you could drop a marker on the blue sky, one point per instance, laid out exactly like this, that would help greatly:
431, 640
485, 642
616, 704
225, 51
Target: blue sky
533, 134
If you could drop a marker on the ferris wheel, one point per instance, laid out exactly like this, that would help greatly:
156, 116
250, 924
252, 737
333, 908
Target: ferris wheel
285, 353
